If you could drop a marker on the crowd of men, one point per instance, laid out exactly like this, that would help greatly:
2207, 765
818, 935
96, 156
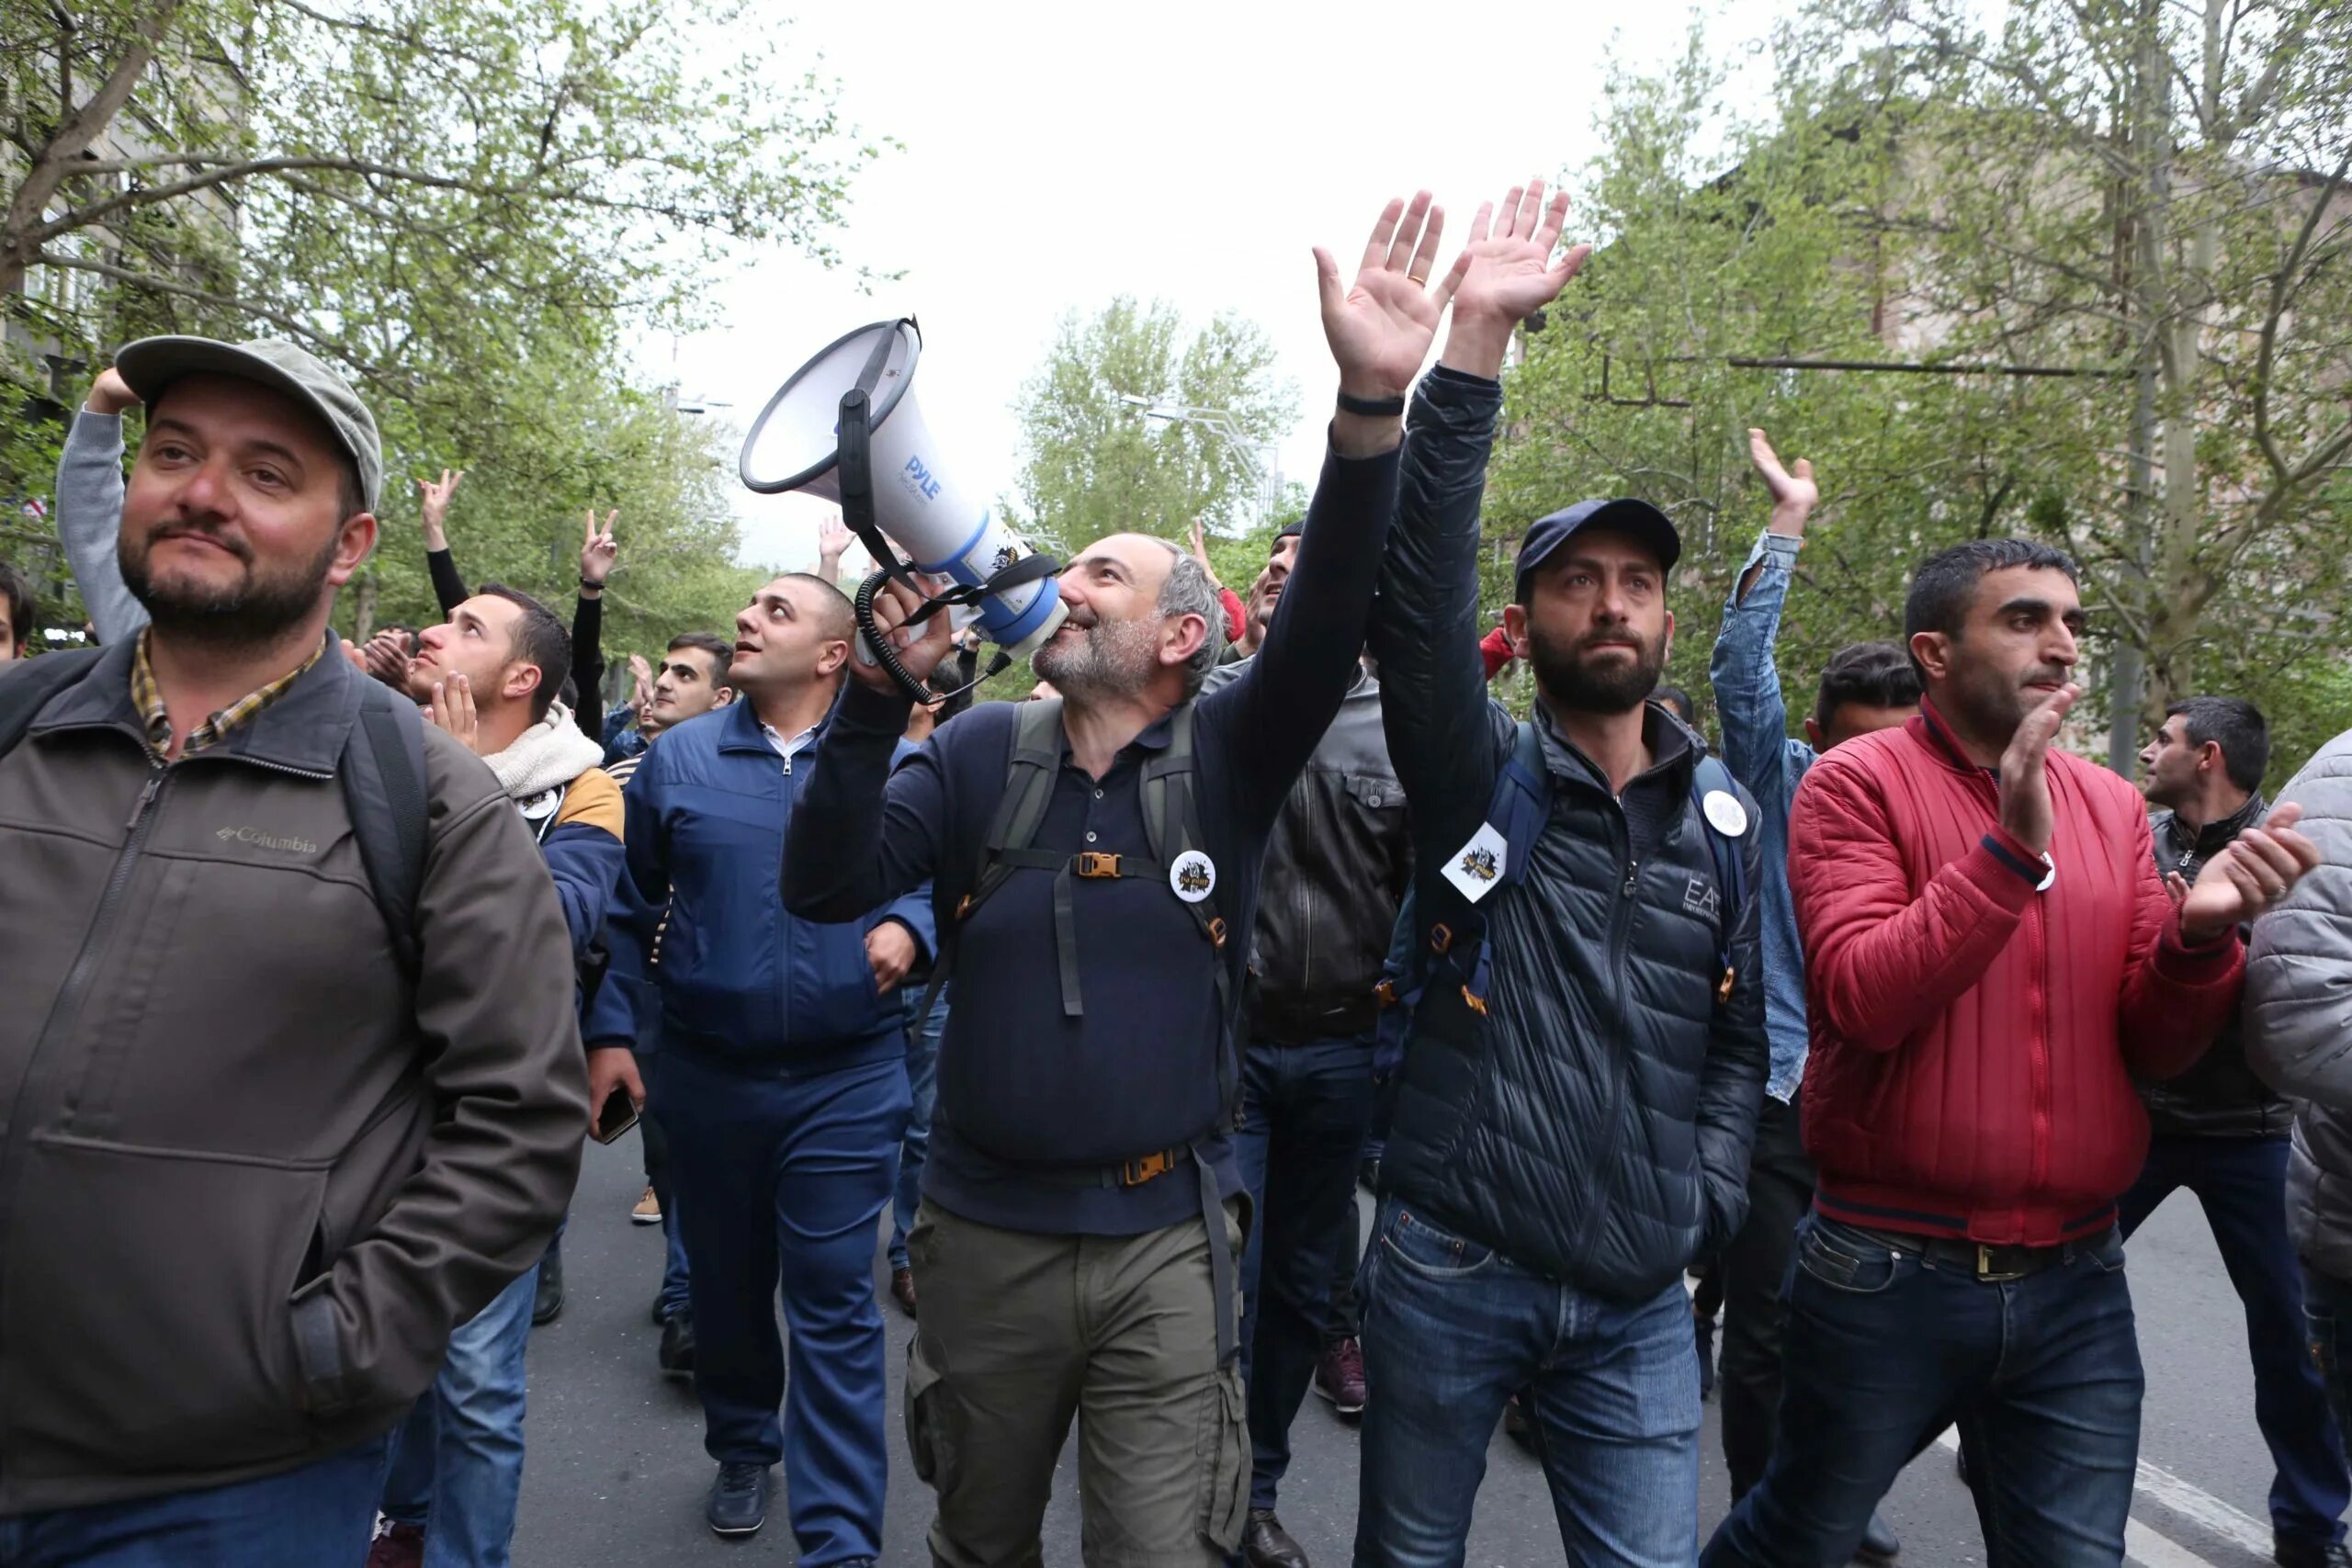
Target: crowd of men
330, 956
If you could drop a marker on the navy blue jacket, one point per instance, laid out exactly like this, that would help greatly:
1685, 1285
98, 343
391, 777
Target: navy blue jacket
706, 813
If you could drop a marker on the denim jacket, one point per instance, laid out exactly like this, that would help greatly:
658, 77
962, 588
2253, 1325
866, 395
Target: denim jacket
1760, 755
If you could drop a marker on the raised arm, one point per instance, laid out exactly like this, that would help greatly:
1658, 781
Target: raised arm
1441, 731
448, 586
596, 556
89, 508
1746, 679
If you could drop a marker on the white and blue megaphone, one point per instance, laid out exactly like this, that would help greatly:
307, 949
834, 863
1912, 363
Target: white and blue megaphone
846, 427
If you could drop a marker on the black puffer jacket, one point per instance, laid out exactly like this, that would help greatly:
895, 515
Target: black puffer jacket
2219, 1095
1336, 870
1595, 1125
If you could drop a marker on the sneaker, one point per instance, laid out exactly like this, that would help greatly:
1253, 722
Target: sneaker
1706, 1328
648, 1211
549, 1299
2289, 1553
397, 1546
1338, 1377
739, 1498
677, 1352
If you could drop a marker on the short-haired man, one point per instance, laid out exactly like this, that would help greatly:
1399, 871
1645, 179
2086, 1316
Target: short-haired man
689, 683
779, 1076
2222, 1133
1579, 1088
1265, 592
18, 625
2298, 1017
1336, 870
1989, 957
1081, 1210
260, 1160
1865, 687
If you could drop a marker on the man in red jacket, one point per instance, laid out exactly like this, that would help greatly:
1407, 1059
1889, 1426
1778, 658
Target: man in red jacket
1988, 956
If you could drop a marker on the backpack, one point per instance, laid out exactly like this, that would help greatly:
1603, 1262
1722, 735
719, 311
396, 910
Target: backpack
381, 771
1517, 809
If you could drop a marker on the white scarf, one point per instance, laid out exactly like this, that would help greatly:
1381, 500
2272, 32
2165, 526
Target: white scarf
550, 754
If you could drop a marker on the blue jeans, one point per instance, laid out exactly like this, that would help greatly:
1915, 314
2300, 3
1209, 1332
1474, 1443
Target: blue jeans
323, 1512
457, 1466
1450, 1331
1885, 1350
2327, 1321
2242, 1183
783, 1177
923, 1081
1305, 1110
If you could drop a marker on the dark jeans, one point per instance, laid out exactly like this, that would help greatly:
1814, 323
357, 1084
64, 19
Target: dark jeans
784, 1179
322, 1513
923, 1082
2242, 1182
2327, 1321
676, 1294
1305, 1109
1452, 1330
1754, 1268
1885, 1350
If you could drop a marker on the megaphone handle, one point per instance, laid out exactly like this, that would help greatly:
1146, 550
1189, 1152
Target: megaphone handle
870, 638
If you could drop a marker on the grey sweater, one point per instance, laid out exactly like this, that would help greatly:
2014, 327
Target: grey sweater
89, 520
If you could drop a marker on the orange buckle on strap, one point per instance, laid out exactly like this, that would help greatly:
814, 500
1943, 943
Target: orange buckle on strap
1093, 862
963, 907
1217, 931
1384, 992
1722, 992
1440, 937
1477, 1004
1136, 1172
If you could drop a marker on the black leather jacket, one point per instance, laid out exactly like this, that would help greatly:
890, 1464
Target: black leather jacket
2219, 1095
1336, 870
1595, 1125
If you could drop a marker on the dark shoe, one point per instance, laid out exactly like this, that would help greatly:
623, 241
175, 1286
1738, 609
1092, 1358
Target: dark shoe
660, 1317
1706, 1327
397, 1546
1265, 1545
739, 1498
2287, 1551
1338, 1376
902, 1289
1879, 1543
1517, 1427
1368, 1174
549, 1299
677, 1353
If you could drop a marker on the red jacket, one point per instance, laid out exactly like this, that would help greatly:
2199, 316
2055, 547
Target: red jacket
1971, 1037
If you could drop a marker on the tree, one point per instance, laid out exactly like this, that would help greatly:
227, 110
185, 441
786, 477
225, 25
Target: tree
1094, 463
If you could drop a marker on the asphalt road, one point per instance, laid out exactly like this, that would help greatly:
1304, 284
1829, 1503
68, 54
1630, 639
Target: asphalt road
615, 1473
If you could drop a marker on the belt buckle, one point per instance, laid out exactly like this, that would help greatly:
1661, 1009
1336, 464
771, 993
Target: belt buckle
1095, 864
1136, 1172
1988, 1274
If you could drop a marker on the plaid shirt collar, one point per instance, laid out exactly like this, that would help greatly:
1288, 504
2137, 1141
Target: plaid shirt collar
148, 698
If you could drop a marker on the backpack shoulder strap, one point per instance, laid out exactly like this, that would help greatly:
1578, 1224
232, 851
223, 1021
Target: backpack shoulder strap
384, 789
1028, 791
26, 688
1172, 826
1712, 777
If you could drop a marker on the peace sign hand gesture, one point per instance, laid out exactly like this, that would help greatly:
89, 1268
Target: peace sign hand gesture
597, 549
435, 500
1380, 328
1507, 274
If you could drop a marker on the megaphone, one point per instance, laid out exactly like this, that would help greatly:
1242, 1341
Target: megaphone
846, 427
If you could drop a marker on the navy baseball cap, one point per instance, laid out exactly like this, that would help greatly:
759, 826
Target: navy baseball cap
1637, 519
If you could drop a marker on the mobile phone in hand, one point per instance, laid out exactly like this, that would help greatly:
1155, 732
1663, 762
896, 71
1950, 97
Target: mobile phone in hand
615, 1116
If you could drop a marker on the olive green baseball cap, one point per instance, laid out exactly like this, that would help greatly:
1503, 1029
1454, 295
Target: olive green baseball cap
153, 364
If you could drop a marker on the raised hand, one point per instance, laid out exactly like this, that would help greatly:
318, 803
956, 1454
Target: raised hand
2025, 773
832, 543
2259, 867
1794, 495
597, 549
920, 649
435, 499
1381, 327
385, 657
111, 393
1506, 273
1200, 554
640, 673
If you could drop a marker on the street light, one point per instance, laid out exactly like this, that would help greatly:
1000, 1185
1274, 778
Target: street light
1225, 424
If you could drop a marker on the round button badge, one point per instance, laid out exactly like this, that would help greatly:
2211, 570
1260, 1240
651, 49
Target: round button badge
1724, 812
1193, 878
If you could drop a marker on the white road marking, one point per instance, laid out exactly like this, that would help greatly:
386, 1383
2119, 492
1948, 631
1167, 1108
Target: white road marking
2192, 1502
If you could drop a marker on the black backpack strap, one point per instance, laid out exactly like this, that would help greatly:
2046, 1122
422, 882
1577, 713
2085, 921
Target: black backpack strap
1171, 825
1028, 790
1711, 777
384, 789
28, 684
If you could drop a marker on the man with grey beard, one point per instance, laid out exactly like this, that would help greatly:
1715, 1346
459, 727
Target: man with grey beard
1095, 861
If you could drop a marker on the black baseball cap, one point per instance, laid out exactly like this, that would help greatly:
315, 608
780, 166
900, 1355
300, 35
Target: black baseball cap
1637, 519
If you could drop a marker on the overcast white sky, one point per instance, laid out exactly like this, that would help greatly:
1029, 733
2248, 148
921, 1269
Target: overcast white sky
1057, 154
